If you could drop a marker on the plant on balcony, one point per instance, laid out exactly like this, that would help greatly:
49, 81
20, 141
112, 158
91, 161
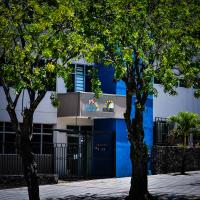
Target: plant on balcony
186, 123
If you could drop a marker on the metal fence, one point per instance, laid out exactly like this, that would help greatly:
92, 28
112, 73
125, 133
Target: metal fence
162, 128
70, 161
11, 164
163, 134
65, 160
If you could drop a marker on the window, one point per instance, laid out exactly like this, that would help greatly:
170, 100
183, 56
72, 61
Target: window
47, 147
9, 144
36, 143
7, 138
1, 126
86, 130
1, 143
47, 128
81, 78
8, 127
37, 128
42, 140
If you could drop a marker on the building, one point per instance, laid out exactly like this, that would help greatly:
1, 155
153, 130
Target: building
165, 105
85, 136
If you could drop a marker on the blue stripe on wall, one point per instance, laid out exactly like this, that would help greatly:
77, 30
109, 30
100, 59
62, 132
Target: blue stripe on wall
123, 164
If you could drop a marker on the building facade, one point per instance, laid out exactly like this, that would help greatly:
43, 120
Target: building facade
86, 136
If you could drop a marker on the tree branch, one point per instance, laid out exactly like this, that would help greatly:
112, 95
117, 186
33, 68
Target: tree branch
11, 105
36, 102
127, 114
144, 98
16, 99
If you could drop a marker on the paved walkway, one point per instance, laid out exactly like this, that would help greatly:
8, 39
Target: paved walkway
168, 186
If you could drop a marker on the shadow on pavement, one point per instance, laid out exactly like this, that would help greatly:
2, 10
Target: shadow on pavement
96, 197
176, 197
88, 197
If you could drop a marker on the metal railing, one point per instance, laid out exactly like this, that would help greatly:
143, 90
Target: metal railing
163, 134
162, 128
65, 160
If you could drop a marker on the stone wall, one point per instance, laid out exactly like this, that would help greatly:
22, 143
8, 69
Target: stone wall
167, 159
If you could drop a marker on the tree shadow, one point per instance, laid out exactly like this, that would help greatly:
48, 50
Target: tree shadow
178, 174
176, 197
97, 197
88, 197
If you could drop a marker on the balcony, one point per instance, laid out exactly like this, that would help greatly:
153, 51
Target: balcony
84, 104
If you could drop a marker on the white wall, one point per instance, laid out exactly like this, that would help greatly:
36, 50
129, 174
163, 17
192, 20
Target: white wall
45, 113
165, 105
60, 86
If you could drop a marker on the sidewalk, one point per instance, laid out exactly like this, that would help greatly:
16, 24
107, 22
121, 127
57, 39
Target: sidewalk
168, 186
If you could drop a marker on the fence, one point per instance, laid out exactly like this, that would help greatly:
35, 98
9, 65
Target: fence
65, 160
162, 128
11, 164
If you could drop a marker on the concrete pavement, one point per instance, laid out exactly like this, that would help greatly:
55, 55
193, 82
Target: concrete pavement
166, 186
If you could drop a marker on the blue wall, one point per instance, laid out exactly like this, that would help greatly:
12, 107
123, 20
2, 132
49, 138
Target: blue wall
120, 88
123, 164
106, 77
148, 122
109, 86
121, 156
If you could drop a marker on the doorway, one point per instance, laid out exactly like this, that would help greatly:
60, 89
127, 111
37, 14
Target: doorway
79, 151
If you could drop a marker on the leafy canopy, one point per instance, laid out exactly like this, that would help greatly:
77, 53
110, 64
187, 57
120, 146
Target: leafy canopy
148, 39
38, 41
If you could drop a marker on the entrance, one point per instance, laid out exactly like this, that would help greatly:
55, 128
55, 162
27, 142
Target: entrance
78, 151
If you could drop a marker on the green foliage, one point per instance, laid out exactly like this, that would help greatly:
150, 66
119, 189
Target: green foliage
54, 99
38, 41
161, 34
186, 123
96, 83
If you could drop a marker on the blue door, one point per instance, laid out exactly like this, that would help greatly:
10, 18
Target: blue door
103, 154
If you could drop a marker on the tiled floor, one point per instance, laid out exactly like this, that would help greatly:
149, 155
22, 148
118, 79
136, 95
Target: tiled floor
165, 186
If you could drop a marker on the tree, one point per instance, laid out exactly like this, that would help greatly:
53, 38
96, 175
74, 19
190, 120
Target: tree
143, 40
186, 123
38, 40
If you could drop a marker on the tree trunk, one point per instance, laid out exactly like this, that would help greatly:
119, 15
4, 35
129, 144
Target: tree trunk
139, 159
139, 184
30, 167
